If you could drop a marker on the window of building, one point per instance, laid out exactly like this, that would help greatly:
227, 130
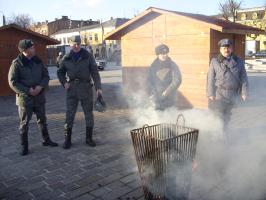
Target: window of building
243, 16
96, 37
254, 15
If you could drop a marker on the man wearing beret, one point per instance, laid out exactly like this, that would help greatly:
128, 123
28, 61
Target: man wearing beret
164, 78
28, 77
227, 81
76, 71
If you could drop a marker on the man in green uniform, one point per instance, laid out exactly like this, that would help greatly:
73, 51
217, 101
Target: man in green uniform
76, 71
28, 77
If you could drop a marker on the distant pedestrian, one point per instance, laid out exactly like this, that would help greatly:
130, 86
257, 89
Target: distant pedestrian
59, 58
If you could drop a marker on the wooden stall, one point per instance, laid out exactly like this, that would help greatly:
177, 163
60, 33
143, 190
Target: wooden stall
192, 39
10, 35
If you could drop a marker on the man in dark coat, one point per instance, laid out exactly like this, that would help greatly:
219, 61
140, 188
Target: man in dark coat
76, 71
164, 78
28, 77
227, 81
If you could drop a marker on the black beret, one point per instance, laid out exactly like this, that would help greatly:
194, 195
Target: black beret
225, 42
24, 44
74, 39
161, 49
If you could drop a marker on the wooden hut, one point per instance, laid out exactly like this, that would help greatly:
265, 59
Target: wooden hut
192, 39
10, 35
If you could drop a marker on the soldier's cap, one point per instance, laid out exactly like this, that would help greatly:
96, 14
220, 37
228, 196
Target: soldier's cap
161, 49
74, 39
225, 43
24, 44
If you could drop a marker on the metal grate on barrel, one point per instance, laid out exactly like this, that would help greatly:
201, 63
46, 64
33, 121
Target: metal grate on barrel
164, 154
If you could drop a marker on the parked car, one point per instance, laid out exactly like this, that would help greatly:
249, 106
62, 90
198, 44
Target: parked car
101, 63
260, 54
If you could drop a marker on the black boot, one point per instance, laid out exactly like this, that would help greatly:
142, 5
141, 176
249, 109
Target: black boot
67, 144
24, 143
89, 139
46, 138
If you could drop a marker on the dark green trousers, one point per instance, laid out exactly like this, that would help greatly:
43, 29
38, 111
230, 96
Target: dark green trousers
25, 115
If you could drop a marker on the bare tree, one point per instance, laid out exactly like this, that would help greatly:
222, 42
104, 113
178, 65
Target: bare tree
22, 20
229, 7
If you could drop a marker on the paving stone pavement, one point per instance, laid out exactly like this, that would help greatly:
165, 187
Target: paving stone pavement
105, 172
108, 171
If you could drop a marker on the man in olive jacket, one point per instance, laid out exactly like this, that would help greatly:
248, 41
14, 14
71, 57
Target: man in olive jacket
28, 77
75, 72
227, 81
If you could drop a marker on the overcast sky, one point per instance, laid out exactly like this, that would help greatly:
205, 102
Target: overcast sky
104, 9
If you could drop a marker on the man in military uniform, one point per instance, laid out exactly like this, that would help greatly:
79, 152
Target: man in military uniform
164, 78
28, 77
76, 70
227, 80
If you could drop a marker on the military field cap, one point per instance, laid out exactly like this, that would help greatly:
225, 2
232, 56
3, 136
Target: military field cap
225, 42
161, 49
24, 44
74, 39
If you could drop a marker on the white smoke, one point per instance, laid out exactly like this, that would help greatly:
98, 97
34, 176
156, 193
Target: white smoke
234, 170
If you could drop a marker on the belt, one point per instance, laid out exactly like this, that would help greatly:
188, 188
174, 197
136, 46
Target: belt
227, 88
77, 80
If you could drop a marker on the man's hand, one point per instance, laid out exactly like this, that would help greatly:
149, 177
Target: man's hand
33, 92
212, 98
38, 89
99, 92
164, 94
244, 97
67, 86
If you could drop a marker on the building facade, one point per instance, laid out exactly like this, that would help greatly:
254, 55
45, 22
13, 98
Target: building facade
93, 38
49, 28
255, 17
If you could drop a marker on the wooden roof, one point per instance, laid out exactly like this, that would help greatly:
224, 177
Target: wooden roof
49, 41
214, 23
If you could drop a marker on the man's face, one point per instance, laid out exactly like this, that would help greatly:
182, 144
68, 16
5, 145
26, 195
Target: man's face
75, 47
30, 52
163, 57
226, 51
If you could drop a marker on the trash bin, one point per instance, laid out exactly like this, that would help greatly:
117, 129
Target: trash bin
164, 154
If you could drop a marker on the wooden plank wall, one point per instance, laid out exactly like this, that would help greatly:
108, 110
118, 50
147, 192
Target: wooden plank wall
9, 39
238, 40
189, 43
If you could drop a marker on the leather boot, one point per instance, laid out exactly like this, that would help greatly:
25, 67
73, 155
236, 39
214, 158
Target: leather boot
67, 144
24, 143
89, 139
46, 138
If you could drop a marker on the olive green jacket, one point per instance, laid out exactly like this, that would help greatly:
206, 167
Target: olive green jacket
84, 70
24, 74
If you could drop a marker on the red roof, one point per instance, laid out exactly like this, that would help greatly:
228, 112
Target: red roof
49, 41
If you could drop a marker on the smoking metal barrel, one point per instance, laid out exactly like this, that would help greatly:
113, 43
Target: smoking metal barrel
164, 155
